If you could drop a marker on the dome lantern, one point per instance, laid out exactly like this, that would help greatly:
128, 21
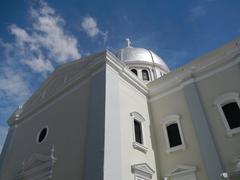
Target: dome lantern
142, 60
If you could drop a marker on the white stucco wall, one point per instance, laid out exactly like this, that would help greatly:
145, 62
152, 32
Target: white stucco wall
67, 129
209, 89
190, 92
122, 99
133, 101
75, 119
175, 103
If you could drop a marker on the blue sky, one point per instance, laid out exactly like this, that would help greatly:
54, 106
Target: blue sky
37, 36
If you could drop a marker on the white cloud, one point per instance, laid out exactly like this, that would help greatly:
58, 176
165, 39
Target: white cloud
3, 134
45, 42
89, 25
14, 90
39, 65
40, 46
13, 86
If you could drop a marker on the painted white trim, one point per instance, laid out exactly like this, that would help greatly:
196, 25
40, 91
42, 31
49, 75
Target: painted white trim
222, 100
148, 72
177, 80
140, 147
138, 117
96, 64
18, 112
172, 119
144, 63
142, 171
125, 73
149, 68
137, 177
139, 72
182, 169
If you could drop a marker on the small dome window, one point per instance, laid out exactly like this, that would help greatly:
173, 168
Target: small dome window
42, 135
134, 71
145, 75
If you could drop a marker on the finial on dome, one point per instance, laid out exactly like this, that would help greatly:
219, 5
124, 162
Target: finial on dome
128, 42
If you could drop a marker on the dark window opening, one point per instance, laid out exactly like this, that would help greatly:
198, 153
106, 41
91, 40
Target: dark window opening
42, 135
138, 132
232, 114
145, 75
174, 135
134, 71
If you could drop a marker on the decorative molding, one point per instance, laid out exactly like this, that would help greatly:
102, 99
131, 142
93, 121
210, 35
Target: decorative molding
182, 169
125, 73
181, 77
142, 170
140, 147
37, 166
137, 116
18, 112
144, 63
139, 70
226, 98
90, 66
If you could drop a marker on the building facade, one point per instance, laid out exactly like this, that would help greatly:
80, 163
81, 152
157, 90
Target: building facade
126, 116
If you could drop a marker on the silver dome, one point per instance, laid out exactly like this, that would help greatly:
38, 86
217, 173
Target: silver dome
132, 55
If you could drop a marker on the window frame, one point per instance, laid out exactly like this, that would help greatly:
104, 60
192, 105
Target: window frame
173, 119
148, 74
225, 99
138, 117
142, 171
138, 177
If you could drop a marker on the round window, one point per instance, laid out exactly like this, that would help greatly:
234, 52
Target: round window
42, 135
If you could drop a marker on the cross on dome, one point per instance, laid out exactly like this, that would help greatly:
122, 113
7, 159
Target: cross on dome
128, 42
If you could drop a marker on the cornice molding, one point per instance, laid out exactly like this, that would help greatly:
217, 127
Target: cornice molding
94, 67
192, 73
142, 63
96, 64
125, 73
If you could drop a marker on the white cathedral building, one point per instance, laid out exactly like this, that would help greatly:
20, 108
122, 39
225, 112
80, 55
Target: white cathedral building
125, 116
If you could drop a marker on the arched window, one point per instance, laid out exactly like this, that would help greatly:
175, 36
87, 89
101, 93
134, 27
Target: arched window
228, 106
134, 71
145, 75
